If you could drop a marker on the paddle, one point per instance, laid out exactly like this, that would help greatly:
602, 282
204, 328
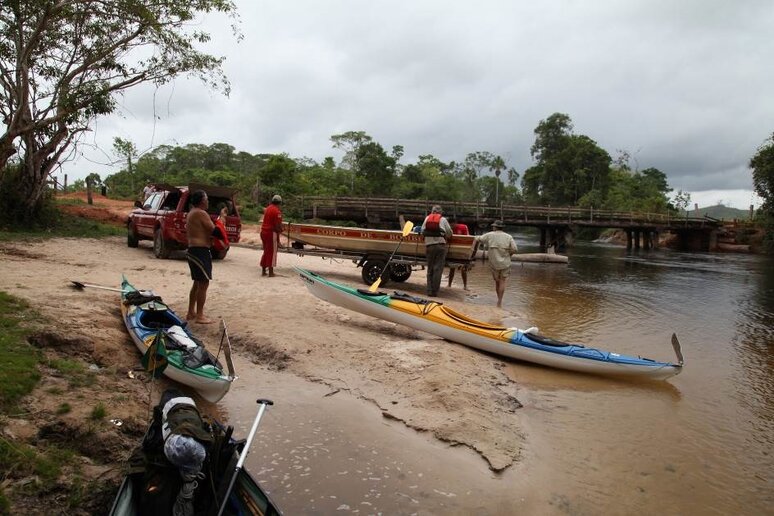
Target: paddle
263, 403
80, 286
406, 230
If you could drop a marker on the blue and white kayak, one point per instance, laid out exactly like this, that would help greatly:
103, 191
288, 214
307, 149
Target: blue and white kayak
527, 345
189, 362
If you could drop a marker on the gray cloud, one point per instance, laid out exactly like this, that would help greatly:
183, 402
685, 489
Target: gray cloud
682, 86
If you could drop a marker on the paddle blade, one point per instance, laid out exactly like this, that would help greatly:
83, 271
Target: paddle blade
375, 285
407, 228
155, 358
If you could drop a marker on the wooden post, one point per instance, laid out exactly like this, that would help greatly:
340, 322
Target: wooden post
628, 239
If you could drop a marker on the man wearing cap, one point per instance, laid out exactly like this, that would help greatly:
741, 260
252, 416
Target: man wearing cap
501, 246
270, 232
436, 230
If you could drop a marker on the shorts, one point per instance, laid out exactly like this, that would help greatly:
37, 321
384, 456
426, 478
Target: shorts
500, 274
200, 263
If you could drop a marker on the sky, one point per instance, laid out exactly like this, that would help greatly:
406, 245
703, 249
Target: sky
684, 86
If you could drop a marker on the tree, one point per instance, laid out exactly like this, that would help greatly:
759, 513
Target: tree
63, 62
762, 164
350, 142
127, 151
375, 168
569, 168
681, 201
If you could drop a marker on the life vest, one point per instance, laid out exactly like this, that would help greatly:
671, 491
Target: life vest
433, 226
220, 244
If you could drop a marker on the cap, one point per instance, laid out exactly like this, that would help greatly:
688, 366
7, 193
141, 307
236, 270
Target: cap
498, 224
276, 198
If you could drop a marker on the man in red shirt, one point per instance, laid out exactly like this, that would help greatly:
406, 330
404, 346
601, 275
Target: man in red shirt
270, 232
458, 228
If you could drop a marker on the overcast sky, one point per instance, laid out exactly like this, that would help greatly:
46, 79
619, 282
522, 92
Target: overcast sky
686, 86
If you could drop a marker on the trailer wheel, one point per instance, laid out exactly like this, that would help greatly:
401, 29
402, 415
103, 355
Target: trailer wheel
371, 271
400, 272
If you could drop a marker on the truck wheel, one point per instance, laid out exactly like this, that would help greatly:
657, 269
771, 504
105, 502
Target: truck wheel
371, 271
160, 246
218, 255
131, 237
400, 272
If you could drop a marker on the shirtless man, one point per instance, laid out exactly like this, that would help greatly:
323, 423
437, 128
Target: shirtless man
199, 228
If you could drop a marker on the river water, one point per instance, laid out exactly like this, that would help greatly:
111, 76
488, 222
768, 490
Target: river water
700, 443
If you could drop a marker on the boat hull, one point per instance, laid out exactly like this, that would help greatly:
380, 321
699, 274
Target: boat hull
436, 319
209, 381
366, 241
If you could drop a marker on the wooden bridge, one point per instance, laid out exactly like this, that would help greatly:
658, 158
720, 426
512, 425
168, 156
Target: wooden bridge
555, 224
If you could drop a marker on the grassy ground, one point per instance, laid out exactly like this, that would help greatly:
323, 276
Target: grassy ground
18, 376
20, 366
63, 226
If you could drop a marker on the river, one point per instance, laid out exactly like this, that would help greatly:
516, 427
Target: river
700, 443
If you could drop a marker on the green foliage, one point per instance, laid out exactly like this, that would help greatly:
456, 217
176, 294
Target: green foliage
51, 223
18, 360
53, 91
98, 412
23, 460
644, 191
73, 371
762, 164
570, 169
64, 408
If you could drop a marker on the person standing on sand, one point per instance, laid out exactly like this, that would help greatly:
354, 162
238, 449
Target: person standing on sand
458, 228
270, 232
436, 229
200, 230
501, 246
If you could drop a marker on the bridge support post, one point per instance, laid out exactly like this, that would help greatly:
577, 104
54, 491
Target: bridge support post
636, 238
628, 239
542, 240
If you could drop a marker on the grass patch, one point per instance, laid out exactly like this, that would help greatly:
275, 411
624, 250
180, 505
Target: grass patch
64, 408
21, 460
73, 371
64, 225
18, 359
98, 413
70, 202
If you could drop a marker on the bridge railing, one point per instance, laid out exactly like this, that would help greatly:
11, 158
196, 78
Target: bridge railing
479, 210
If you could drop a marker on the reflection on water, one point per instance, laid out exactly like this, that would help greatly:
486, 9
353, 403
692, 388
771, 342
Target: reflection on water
702, 442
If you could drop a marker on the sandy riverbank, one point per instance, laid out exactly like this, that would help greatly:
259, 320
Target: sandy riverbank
456, 394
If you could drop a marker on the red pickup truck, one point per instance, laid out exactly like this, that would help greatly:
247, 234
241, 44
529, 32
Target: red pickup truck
161, 217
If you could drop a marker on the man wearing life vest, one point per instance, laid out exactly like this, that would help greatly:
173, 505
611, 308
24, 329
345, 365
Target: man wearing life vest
436, 230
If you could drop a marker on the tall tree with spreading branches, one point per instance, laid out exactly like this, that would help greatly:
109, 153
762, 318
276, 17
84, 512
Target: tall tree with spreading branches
63, 62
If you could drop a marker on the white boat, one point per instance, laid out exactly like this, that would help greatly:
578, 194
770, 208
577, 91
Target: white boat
437, 319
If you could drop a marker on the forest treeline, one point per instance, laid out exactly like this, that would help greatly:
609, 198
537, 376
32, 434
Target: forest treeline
569, 170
